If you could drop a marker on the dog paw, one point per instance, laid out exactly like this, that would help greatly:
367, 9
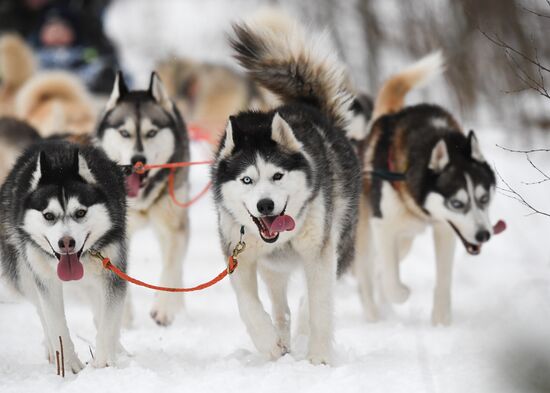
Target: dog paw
73, 363
441, 316
397, 293
319, 358
165, 309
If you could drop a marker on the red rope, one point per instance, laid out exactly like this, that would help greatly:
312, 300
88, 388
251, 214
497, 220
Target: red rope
140, 169
232, 264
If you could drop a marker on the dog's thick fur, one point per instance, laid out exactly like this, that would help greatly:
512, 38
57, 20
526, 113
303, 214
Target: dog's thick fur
55, 192
17, 65
15, 136
146, 126
207, 94
447, 185
296, 159
56, 101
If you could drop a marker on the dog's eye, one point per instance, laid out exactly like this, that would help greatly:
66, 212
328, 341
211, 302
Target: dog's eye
124, 133
484, 199
151, 134
80, 213
246, 180
49, 216
456, 204
277, 176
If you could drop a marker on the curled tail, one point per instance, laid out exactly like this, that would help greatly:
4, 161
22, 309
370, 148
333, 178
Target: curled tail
277, 54
17, 63
392, 94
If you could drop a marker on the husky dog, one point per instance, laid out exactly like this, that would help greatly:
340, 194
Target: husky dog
421, 170
290, 178
57, 205
145, 126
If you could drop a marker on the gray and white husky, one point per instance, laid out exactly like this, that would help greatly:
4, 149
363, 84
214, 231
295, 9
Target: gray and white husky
290, 178
420, 170
145, 126
57, 204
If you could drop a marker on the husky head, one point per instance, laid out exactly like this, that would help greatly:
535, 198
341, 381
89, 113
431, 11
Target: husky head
461, 190
66, 209
141, 126
262, 176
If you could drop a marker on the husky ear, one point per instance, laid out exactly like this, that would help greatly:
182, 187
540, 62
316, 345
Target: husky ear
159, 93
475, 150
282, 134
42, 167
440, 156
81, 166
119, 90
228, 141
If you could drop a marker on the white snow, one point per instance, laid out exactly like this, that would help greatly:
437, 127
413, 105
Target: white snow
499, 340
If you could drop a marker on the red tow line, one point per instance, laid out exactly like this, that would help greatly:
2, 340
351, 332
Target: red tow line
140, 168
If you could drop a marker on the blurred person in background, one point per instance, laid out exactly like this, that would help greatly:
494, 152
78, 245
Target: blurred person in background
65, 34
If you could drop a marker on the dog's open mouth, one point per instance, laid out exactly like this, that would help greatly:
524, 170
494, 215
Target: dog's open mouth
69, 267
472, 249
134, 182
270, 226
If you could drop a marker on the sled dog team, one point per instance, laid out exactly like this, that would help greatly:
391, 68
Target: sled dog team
326, 180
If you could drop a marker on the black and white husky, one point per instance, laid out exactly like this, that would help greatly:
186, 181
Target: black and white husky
291, 179
57, 204
421, 170
145, 126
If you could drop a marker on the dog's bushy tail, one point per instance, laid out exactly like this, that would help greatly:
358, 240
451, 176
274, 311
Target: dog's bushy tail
17, 63
392, 94
277, 53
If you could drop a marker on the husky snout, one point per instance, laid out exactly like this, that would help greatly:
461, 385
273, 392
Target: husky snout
66, 245
265, 206
483, 236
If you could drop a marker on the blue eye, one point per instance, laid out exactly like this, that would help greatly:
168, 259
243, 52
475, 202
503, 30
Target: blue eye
151, 134
246, 180
484, 199
456, 204
124, 133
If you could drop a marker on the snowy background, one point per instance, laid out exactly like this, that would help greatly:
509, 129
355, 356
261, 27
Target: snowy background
499, 340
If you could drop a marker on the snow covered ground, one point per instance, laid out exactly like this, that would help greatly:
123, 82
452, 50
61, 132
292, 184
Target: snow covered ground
499, 341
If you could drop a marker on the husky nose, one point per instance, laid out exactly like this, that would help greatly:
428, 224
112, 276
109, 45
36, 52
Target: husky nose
265, 206
138, 158
66, 244
483, 236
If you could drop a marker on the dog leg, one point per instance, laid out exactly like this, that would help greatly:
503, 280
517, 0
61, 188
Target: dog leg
388, 254
320, 277
50, 301
109, 319
257, 321
445, 243
363, 266
277, 283
173, 240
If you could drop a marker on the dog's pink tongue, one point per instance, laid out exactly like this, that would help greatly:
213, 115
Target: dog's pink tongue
133, 183
499, 227
282, 223
70, 268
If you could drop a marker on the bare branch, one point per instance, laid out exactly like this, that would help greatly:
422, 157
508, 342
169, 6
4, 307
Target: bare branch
535, 12
523, 151
499, 42
513, 194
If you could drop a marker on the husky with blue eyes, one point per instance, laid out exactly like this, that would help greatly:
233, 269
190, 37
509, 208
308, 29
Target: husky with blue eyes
420, 170
57, 206
290, 178
145, 126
